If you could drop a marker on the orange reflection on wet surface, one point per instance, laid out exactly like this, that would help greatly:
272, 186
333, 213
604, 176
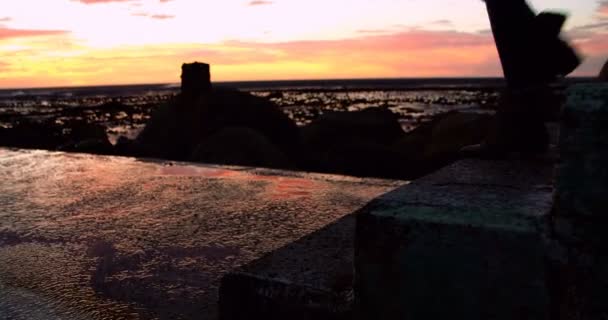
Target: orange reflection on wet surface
94, 237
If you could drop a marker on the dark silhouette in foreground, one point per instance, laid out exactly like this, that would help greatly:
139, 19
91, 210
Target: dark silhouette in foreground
212, 125
532, 55
217, 125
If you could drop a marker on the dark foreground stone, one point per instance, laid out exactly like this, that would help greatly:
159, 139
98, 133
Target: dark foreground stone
463, 243
581, 209
310, 278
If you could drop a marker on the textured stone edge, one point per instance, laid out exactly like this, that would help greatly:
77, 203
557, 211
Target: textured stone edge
247, 296
377, 250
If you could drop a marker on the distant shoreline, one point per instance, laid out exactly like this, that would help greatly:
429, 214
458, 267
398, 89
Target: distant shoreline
380, 84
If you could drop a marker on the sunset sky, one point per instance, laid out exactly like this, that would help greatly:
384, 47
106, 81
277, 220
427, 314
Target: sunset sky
89, 42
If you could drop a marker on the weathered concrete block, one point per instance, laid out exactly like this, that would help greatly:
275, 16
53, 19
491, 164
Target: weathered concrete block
582, 173
464, 243
307, 279
580, 275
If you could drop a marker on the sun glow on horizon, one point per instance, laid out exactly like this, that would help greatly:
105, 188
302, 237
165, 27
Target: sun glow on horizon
92, 42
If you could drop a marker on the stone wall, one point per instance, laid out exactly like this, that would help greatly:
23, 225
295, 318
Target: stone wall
580, 217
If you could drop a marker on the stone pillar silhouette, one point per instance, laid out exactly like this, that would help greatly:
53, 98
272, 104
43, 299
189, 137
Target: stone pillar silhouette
196, 78
581, 206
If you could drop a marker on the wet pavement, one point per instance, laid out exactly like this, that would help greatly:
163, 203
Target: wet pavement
93, 237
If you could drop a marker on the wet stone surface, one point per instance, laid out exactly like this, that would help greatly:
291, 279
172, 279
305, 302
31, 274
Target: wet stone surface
92, 237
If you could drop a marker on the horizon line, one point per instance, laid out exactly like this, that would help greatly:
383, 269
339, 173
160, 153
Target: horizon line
277, 80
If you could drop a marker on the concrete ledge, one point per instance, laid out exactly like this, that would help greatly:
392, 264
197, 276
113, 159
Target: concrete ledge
579, 224
113, 237
463, 243
308, 279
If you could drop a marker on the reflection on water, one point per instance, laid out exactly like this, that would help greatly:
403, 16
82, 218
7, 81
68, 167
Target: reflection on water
413, 107
91, 237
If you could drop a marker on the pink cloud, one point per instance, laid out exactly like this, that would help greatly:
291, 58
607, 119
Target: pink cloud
410, 53
415, 40
101, 1
6, 33
153, 16
162, 16
5, 19
603, 8
259, 3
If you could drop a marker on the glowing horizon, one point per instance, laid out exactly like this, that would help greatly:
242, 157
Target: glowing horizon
107, 42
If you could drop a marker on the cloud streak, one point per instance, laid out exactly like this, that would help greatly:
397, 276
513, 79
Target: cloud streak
259, 3
102, 1
153, 16
8, 33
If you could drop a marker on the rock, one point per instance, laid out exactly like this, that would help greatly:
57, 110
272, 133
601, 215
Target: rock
231, 108
89, 146
365, 159
354, 143
85, 137
33, 134
376, 125
454, 131
177, 128
126, 147
603, 76
196, 78
240, 146
437, 143
166, 135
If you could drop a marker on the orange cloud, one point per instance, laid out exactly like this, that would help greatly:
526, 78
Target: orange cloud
6, 33
414, 53
162, 16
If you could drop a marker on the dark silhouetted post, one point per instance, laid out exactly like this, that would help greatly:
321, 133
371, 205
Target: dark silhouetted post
532, 55
530, 49
196, 78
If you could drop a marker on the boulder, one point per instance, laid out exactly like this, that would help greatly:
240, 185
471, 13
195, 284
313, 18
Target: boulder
365, 159
231, 108
456, 130
240, 146
177, 128
33, 134
169, 134
89, 146
86, 137
603, 76
377, 125
437, 143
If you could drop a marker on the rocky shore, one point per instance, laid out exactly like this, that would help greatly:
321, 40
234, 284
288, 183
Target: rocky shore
313, 131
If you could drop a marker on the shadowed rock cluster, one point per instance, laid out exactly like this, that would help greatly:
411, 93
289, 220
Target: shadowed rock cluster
224, 126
